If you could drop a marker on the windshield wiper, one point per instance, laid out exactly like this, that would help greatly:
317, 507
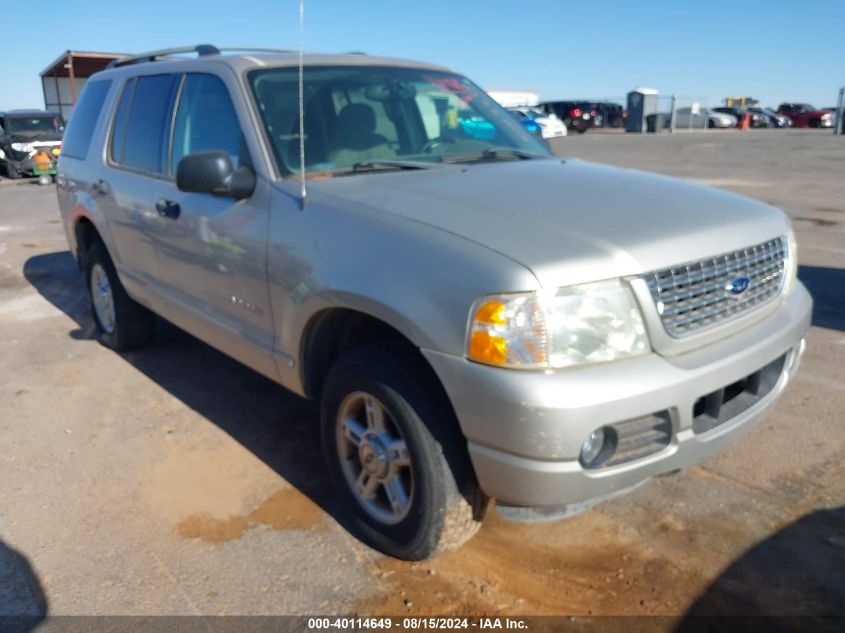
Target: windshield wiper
373, 165
493, 153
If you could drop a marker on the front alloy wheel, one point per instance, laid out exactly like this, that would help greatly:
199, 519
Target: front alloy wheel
396, 455
374, 458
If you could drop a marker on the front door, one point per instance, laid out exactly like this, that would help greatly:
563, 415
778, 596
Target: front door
212, 251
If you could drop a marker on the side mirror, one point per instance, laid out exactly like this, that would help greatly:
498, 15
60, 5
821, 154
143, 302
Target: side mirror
212, 172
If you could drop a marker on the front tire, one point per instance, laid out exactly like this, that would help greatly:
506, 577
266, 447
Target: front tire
12, 171
122, 323
396, 455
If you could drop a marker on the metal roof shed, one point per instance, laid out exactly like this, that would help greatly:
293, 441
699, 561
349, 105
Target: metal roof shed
62, 80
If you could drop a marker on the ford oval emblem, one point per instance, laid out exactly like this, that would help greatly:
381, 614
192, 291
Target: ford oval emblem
736, 287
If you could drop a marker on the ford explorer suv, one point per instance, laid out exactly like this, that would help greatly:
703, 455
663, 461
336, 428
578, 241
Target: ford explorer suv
478, 318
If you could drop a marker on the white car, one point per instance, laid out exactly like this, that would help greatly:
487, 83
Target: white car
550, 125
684, 118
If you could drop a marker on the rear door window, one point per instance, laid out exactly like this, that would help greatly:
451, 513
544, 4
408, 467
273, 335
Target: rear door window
142, 123
83, 121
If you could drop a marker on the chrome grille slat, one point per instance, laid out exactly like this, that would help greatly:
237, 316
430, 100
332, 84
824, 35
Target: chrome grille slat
692, 296
716, 285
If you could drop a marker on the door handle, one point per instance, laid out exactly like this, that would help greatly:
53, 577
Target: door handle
168, 209
101, 187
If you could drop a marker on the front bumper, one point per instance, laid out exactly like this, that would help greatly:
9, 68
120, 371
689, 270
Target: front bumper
24, 166
525, 429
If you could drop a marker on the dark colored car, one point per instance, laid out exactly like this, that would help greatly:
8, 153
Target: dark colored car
775, 119
577, 115
806, 115
23, 134
757, 119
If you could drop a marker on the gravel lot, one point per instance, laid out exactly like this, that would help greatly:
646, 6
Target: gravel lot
175, 481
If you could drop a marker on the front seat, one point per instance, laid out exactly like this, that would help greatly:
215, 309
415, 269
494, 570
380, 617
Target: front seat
355, 138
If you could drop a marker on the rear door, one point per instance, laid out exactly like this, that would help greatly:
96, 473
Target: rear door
135, 162
213, 250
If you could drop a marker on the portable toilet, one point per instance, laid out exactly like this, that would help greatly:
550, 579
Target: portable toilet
641, 103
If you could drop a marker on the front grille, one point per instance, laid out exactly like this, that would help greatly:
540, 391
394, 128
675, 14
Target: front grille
728, 402
692, 297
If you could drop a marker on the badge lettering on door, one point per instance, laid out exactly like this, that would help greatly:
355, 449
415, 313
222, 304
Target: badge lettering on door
246, 304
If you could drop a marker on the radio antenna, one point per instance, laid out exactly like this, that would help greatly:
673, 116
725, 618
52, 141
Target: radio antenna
303, 193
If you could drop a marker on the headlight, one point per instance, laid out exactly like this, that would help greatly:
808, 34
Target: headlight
23, 147
791, 262
575, 325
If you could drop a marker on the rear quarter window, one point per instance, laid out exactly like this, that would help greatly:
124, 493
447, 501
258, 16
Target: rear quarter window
83, 119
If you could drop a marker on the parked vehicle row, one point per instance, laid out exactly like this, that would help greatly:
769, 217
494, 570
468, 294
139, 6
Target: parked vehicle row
583, 115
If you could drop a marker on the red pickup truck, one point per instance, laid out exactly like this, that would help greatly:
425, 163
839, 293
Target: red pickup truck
805, 115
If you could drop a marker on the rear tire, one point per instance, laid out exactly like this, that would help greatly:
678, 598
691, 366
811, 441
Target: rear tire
12, 171
122, 323
387, 426
815, 123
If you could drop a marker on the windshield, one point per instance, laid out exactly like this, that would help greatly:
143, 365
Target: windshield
35, 125
357, 115
534, 113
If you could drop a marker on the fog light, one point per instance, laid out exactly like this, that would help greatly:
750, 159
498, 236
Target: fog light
598, 447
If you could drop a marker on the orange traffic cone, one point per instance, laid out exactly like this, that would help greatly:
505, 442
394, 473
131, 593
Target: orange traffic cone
746, 121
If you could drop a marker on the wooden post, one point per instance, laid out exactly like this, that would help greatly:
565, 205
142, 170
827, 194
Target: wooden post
72, 79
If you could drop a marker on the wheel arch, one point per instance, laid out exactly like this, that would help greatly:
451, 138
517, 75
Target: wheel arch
332, 331
85, 235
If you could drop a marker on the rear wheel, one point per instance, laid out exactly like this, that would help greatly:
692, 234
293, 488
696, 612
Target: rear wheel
121, 322
815, 123
397, 456
12, 171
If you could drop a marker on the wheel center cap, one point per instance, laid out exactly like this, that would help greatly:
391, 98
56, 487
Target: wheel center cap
373, 456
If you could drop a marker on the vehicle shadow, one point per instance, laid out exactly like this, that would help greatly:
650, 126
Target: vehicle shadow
278, 427
825, 284
23, 604
792, 581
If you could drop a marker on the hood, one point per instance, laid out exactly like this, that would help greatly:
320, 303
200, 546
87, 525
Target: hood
569, 221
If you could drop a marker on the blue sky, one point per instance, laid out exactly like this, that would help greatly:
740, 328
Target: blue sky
775, 51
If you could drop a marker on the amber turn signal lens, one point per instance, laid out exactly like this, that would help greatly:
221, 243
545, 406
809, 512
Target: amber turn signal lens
486, 348
492, 312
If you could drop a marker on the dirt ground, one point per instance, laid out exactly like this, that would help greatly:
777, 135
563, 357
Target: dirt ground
175, 481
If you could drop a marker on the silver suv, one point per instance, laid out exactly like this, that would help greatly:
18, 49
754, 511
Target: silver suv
478, 318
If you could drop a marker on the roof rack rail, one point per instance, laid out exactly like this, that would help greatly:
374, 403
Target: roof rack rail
200, 49
253, 49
